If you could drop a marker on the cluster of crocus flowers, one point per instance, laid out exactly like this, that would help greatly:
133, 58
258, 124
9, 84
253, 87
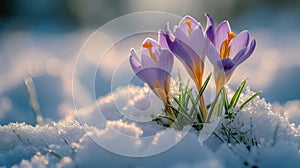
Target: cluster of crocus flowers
191, 43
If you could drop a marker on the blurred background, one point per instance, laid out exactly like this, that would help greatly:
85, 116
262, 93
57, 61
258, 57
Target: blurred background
42, 38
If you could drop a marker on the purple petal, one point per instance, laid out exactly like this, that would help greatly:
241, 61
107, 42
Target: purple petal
241, 58
198, 43
134, 61
181, 34
221, 33
210, 34
163, 77
147, 61
148, 75
210, 28
165, 60
184, 27
169, 35
227, 64
162, 40
239, 42
152, 41
145, 51
140, 71
154, 76
179, 48
210, 21
214, 57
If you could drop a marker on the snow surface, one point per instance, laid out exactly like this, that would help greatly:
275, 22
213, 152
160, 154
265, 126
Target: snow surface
70, 143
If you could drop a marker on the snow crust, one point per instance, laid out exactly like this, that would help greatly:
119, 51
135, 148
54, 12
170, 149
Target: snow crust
70, 143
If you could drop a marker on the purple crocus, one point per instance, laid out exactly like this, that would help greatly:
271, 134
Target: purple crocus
189, 45
226, 50
155, 68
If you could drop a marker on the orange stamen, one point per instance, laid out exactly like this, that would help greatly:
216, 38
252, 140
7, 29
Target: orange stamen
225, 48
231, 35
188, 22
149, 46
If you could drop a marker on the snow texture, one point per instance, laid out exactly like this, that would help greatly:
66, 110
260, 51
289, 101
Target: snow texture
270, 138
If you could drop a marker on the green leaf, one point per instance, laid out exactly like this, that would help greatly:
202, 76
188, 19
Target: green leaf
237, 95
184, 115
221, 105
166, 117
204, 85
195, 102
201, 90
252, 97
178, 102
181, 108
225, 98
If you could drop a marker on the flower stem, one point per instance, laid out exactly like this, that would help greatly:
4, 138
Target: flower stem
203, 108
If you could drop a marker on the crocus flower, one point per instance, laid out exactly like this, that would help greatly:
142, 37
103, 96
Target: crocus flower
226, 50
155, 68
189, 44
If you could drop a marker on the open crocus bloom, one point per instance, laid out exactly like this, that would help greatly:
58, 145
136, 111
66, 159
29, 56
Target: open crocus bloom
226, 50
154, 68
188, 44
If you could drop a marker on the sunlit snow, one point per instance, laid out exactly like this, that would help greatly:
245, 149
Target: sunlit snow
71, 143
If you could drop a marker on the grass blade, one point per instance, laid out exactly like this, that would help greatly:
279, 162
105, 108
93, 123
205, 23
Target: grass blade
237, 95
184, 115
225, 98
204, 85
252, 97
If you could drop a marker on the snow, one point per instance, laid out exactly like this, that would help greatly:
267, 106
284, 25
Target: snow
107, 138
